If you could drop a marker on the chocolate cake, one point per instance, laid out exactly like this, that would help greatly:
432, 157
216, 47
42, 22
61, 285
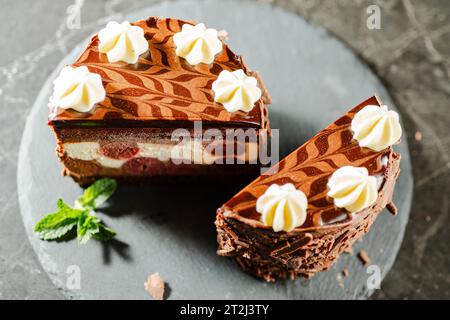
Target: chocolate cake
118, 110
297, 218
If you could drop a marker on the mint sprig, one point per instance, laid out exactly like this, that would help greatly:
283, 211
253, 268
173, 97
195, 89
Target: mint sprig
97, 193
57, 225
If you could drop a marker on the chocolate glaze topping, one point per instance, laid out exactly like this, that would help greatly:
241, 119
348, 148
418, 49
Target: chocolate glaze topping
161, 88
309, 168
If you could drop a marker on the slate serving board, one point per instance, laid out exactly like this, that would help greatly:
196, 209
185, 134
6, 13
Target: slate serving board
313, 80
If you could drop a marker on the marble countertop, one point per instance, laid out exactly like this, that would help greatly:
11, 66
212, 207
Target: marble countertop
410, 52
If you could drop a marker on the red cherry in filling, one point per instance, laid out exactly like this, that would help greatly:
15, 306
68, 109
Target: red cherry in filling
119, 150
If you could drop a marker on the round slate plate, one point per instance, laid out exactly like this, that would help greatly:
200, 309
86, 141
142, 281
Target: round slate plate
313, 80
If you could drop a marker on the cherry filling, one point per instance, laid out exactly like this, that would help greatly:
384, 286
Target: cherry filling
119, 150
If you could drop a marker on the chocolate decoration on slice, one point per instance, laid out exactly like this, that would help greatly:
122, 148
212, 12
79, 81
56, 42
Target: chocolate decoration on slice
329, 230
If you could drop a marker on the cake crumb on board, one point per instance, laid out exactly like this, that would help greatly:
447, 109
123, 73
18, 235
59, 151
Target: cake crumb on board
418, 136
155, 286
340, 280
364, 257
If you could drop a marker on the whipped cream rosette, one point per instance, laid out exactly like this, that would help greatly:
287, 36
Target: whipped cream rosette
352, 188
236, 91
122, 42
197, 44
77, 89
282, 207
376, 127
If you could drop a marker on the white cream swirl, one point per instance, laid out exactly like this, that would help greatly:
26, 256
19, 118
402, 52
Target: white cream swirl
122, 42
78, 89
282, 207
352, 188
236, 91
197, 44
376, 127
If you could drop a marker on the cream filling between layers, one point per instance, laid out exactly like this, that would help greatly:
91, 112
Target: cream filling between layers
192, 152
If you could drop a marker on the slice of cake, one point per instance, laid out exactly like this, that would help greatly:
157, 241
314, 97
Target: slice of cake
302, 213
154, 98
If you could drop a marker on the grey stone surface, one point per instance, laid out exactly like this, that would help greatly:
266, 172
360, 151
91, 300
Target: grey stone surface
410, 53
177, 238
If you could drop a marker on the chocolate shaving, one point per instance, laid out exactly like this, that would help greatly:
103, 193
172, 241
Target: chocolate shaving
289, 248
392, 208
155, 286
241, 243
364, 257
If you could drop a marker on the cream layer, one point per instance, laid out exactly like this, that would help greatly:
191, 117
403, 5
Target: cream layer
192, 152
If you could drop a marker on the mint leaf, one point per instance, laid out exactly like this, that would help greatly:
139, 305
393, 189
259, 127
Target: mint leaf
87, 226
59, 224
53, 220
97, 193
56, 225
55, 234
104, 233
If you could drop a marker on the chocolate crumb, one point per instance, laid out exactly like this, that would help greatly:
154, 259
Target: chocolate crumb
418, 136
340, 280
392, 208
155, 286
364, 257
345, 272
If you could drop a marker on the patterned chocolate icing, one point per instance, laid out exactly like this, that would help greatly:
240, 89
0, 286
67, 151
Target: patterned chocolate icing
309, 168
160, 86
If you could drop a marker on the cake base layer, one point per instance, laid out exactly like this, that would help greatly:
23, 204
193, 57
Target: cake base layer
154, 171
271, 256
